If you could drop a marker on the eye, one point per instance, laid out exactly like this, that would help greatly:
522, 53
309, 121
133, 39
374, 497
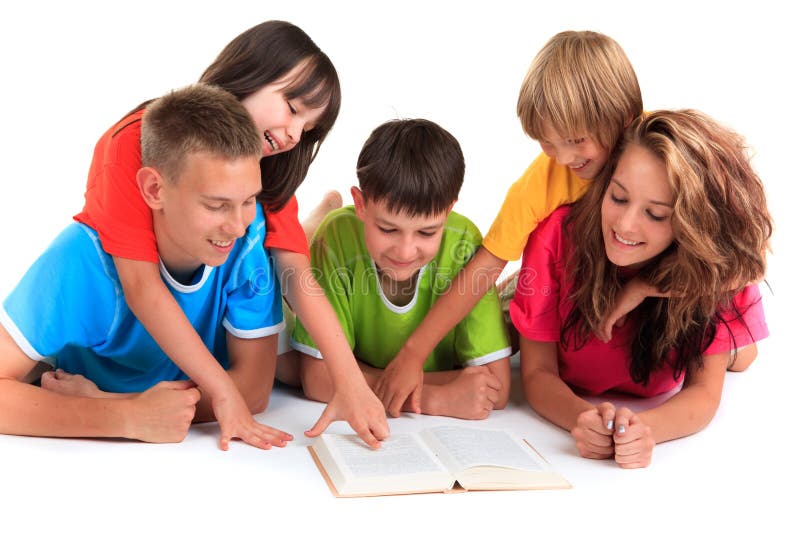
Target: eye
250, 201
576, 141
386, 230
427, 234
617, 200
214, 207
292, 109
656, 217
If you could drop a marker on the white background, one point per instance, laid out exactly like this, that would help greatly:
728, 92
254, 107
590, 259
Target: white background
69, 71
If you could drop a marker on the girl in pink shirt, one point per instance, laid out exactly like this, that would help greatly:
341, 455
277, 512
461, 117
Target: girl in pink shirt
679, 208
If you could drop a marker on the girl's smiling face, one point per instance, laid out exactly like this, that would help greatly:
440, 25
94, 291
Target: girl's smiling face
636, 214
281, 121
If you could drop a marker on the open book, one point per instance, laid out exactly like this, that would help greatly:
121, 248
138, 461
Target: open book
439, 459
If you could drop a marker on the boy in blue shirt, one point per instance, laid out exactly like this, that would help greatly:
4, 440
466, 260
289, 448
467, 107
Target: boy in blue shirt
200, 177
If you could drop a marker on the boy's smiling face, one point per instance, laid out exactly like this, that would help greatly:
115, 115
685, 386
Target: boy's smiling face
198, 218
582, 154
399, 244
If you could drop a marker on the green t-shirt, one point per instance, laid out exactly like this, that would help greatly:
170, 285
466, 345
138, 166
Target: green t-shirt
375, 328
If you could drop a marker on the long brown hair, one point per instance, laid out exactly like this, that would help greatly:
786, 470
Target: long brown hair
721, 226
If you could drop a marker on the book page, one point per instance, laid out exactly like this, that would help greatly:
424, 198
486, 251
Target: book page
462, 447
400, 454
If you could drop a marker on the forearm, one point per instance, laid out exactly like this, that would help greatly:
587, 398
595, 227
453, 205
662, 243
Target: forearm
162, 317
471, 284
553, 399
687, 412
544, 389
252, 371
309, 303
32, 411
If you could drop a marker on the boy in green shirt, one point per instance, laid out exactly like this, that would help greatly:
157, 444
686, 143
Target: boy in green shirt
384, 261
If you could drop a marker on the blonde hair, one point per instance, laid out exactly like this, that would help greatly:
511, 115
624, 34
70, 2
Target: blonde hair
583, 84
721, 225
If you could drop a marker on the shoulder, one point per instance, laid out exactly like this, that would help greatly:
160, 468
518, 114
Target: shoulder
341, 224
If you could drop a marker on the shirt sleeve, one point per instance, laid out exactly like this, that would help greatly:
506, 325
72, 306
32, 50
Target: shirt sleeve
254, 303
335, 280
522, 210
481, 337
49, 310
741, 324
114, 206
535, 307
284, 230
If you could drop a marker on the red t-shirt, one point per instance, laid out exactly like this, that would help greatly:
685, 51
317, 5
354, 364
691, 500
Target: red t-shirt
541, 306
115, 209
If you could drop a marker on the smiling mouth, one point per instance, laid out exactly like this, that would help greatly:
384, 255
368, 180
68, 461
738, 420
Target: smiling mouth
221, 244
270, 141
581, 166
625, 241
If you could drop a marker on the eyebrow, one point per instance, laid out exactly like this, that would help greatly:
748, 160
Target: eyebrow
657, 202
224, 199
381, 220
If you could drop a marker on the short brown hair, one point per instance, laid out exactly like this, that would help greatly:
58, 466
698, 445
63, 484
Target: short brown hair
414, 165
197, 118
583, 83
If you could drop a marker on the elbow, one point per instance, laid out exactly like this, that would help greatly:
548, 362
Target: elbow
742, 358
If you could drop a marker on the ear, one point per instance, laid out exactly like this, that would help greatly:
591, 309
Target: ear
151, 186
358, 201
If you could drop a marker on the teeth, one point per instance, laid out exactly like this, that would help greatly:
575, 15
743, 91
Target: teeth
221, 244
625, 241
271, 141
580, 166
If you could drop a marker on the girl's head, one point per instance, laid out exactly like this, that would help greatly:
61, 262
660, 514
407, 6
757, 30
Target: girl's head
680, 203
291, 89
579, 85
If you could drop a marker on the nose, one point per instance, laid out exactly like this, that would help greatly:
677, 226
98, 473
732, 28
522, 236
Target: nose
235, 223
295, 130
627, 221
565, 156
406, 249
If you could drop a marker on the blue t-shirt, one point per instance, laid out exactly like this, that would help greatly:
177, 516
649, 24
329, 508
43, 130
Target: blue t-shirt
69, 306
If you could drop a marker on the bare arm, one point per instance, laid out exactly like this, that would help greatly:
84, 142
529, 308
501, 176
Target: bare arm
163, 413
157, 310
693, 407
252, 369
403, 376
544, 389
352, 399
470, 393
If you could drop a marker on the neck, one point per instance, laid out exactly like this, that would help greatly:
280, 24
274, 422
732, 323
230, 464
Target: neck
398, 293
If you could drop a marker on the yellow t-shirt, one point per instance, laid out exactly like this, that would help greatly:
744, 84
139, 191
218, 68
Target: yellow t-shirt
542, 188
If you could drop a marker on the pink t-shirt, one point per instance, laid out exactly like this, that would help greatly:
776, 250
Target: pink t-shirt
541, 306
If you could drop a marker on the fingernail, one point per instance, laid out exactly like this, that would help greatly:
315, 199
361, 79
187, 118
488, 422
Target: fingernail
610, 425
621, 429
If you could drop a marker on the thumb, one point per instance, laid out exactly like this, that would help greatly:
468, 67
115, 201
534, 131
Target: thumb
178, 384
416, 399
322, 423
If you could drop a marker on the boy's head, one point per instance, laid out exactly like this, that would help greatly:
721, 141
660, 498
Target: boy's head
580, 90
200, 174
409, 174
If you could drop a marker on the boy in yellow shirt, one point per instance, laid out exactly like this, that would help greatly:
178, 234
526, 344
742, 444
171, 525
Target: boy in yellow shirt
579, 94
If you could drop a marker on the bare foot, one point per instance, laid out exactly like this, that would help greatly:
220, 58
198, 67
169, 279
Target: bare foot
330, 201
68, 384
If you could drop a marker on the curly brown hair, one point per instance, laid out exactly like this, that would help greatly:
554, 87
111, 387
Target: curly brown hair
722, 228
